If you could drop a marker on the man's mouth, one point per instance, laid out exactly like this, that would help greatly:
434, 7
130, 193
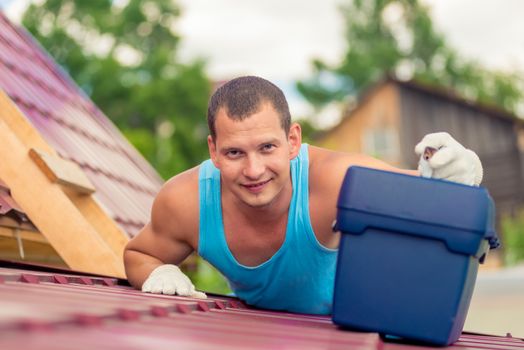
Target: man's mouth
256, 187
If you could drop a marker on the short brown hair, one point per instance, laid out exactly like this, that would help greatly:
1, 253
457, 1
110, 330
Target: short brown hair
244, 96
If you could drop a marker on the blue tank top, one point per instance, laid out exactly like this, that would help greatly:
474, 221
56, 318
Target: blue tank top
299, 277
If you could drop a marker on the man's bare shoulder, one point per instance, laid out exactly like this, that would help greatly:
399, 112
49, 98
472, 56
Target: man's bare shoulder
326, 171
180, 183
175, 209
328, 167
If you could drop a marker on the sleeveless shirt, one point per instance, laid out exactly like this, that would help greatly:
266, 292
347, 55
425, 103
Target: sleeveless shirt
299, 277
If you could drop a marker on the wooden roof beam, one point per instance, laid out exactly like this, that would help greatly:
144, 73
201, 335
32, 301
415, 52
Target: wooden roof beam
82, 233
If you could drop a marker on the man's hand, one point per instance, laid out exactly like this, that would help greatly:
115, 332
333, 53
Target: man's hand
168, 279
442, 157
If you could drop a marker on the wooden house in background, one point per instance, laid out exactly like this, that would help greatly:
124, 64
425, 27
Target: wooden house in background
393, 116
73, 190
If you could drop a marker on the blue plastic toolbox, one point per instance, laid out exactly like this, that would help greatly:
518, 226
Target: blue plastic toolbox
409, 254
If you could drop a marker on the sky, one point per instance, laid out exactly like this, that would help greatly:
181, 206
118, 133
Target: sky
277, 39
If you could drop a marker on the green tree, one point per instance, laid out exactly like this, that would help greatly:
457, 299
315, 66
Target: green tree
398, 37
123, 54
513, 228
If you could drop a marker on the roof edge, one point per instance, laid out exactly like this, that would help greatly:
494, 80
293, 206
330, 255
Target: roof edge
436, 90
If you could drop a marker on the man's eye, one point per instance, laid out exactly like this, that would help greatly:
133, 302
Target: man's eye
268, 147
233, 153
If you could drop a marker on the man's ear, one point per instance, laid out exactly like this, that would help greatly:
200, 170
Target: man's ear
212, 147
294, 140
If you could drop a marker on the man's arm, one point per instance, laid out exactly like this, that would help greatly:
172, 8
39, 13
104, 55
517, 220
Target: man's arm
150, 258
448, 160
149, 250
328, 168
326, 173
441, 157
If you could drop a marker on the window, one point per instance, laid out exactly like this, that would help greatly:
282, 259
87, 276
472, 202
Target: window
381, 143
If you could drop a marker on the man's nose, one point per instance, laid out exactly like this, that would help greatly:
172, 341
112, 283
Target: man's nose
254, 167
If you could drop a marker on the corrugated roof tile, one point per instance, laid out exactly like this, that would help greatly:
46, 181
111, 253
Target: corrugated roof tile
23, 44
20, 90
7, 203
11, 215
57, 310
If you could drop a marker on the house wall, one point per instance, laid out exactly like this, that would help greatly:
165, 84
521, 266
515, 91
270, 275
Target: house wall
520, 139
413, 112
493, 137
377, 114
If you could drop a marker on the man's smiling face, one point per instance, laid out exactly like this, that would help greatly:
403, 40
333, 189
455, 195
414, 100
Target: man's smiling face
253, 156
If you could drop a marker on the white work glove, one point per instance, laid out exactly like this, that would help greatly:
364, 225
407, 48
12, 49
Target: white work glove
168, 279
442, 157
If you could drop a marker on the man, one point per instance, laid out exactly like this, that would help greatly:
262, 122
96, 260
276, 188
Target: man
261, 209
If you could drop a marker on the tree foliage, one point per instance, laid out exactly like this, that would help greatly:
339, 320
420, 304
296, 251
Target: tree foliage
123, 54
398, 37
513, 228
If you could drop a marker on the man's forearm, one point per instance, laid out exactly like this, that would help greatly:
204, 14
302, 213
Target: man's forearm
139, 266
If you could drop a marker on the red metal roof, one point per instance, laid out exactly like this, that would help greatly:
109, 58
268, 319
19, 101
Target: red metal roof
7, 203
53, 310
126, 184
11, 215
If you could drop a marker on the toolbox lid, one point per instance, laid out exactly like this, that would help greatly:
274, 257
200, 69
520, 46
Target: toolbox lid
460, 215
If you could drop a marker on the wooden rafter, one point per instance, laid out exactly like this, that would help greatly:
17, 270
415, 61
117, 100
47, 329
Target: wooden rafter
25, 235
75, 225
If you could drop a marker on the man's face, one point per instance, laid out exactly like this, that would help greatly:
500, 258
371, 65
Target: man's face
253, 156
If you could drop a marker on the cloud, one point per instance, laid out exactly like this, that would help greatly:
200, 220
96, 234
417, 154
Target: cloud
277, 39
